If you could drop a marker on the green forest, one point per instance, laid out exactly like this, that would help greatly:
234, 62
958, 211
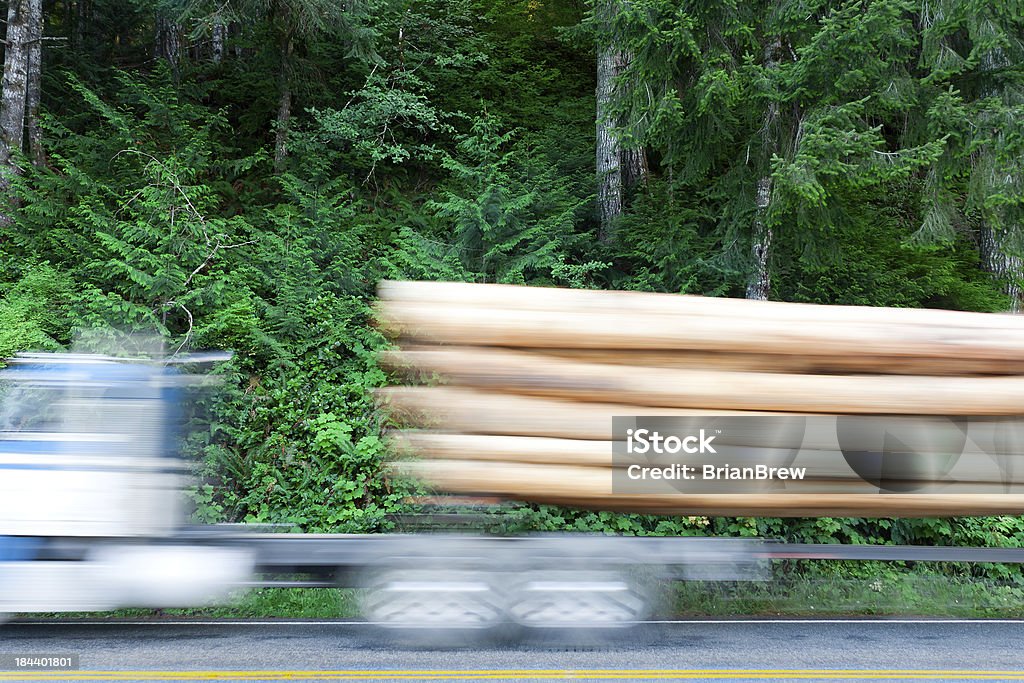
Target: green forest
240, 174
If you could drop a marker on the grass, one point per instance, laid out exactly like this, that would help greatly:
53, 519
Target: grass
825, 589
308, 603
918, 595
277, 603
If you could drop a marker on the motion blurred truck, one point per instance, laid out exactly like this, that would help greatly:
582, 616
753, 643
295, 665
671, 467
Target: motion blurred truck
91, 485
535, 395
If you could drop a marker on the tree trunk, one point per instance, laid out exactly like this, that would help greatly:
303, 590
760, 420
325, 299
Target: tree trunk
235, 32
996, 259
609, 169
69, 22
15, 82
759, 284
34, 84
1004, 267
634, 166
618, 168
284, 106
168, 42
217, 41
12, 99
81, 23
632, 160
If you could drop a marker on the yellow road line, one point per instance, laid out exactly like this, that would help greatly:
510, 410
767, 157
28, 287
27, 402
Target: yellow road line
534, 674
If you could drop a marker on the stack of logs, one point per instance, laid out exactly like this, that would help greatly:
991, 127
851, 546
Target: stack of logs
519, 385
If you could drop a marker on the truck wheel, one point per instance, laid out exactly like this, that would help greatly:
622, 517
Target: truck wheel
434, 599
578, 599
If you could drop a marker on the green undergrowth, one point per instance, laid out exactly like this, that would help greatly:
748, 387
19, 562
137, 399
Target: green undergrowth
912, 595
259, 603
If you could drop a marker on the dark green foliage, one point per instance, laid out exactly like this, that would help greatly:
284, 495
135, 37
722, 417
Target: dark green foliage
874, 263
669, 246
511, 215
35, 312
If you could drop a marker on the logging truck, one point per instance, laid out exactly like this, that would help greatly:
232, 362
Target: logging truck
93, 517
532, 395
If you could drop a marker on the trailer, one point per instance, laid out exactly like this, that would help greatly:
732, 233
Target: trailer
92, 518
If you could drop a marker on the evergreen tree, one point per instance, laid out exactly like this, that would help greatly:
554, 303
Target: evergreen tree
772, 112
974, 96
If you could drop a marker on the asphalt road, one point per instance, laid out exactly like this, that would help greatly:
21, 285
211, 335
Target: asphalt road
682, 650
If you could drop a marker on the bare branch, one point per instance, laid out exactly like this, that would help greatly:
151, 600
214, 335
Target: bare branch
217, 247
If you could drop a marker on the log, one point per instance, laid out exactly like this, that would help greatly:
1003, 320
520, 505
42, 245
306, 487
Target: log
582, 301
765, 362
626, 329
822, 463
590, 488
788, 363
535, 376
474, 411
531, 374
540, 450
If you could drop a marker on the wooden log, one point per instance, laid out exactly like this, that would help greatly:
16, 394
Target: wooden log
547, 451
626, 329
473, 411
540, 450
790, 363
590, 488
580, 301
822, 462
584, 355
524, 373
766, 362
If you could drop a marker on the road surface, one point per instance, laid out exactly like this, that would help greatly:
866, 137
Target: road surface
744, 649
